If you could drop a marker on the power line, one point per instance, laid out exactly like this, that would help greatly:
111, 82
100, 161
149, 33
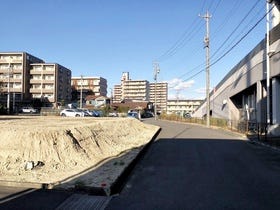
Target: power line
229, 50
181, 42
235, 29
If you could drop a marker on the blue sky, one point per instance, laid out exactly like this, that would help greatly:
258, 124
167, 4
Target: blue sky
107, 37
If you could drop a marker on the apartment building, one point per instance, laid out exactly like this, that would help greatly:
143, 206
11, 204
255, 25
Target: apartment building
50, 82
181, 107
141, 90
135, 90
15, 76
89, 85
159, 94
117, 94
24, 77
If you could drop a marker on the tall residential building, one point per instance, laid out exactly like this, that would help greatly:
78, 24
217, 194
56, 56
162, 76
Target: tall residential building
117, 95
141, 90
135, 90
50, 82
26, 77
160, 90
15, 76
94, 85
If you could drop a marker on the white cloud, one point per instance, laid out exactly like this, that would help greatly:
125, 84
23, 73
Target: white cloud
201, 90
179, 84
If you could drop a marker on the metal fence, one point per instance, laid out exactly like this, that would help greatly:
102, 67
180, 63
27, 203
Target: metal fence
251, 128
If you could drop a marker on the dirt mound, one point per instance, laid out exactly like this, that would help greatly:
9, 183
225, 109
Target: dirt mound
50, 149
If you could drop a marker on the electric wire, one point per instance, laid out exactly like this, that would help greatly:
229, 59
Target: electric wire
231, 48
236, 28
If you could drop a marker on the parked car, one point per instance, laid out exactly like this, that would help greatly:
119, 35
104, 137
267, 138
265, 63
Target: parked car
89, 113
133, 115
28, 110
113, 114
147, 115
72, 113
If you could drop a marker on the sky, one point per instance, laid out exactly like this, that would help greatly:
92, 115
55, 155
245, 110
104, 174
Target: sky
104, 38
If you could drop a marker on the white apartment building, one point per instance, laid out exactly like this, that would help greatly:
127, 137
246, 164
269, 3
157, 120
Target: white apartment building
141, 90
135, 90
181, 107
159, 95
50, 82
117, 94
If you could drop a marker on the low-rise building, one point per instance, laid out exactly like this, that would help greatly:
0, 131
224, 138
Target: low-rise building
182, 107
96, 86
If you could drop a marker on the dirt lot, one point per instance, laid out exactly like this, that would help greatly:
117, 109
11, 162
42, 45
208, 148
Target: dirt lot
52, 149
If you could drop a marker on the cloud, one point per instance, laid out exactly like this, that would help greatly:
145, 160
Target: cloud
178, 84
201, 90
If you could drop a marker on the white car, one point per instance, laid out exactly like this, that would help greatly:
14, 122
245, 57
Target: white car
71, 113
28, 110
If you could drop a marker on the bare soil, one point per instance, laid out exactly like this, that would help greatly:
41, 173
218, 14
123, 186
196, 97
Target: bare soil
85, 151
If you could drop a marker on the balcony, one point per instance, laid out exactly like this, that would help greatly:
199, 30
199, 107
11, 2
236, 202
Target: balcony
9, 60
39, 81
39, 90
42, 72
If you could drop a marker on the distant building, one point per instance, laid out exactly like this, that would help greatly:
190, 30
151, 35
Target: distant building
135, 90
182, 107
117, 95
161, 90
96, 101
50, 82
27, 78
96, 86
140, 91
15, 76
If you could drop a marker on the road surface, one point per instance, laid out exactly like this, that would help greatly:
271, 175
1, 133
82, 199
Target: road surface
187, 167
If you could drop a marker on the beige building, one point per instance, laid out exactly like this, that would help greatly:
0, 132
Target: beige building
50, 82
96, 85
160, 90
117, 94
141, 90
135, 90
24, 77
15, 77
181, 107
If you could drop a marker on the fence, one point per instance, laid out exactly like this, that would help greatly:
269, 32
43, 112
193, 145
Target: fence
251, 128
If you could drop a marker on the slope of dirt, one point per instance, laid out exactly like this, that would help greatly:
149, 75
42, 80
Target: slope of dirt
57, 148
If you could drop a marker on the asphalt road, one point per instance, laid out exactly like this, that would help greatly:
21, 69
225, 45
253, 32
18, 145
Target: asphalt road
192, 167
187, 167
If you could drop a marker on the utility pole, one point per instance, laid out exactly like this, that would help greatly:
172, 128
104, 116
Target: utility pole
267, 66
81, 93
8, 93
156, 72
207, 46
